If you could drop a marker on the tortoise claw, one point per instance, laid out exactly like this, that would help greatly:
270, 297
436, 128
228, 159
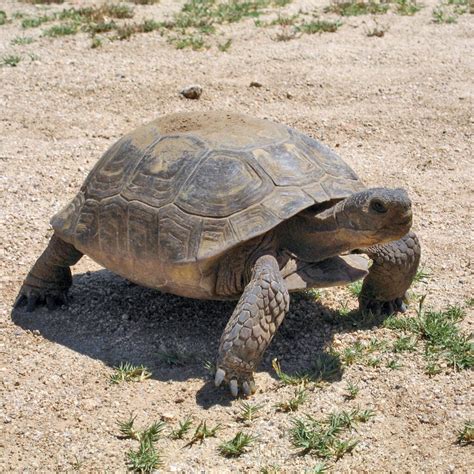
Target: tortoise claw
32, 297
220, 376
238, 382
234, 388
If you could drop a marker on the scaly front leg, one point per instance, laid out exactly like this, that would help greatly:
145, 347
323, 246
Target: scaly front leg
391, 274
253, 324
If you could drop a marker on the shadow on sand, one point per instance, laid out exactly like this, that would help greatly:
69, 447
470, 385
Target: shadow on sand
113, 320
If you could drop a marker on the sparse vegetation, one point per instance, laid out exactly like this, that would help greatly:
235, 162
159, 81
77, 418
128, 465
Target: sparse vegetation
441, 15
3, 17
11, 60
326, 366
319, 26
146, 458
421, 276
43, 2
356, 7
324, 438
404, 343
237, 445
355, 288
63, 29
293, 403
443, 338
394, 364
127, 372
202, 432
352, 391
466, 434
408, 8
249, 411
34, 22
183, 428
21, 40
174, 358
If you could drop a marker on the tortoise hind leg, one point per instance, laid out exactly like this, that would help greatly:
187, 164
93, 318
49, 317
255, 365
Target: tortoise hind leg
50, 278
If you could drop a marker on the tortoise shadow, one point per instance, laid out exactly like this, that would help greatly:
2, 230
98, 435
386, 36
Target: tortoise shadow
113, 320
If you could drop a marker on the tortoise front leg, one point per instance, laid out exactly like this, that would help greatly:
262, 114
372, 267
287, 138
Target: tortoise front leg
253, 324
391, 274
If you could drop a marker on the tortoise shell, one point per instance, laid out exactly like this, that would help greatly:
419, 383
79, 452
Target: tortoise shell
189, 186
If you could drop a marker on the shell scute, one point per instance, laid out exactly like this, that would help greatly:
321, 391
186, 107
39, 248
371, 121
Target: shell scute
223, 184
163, 169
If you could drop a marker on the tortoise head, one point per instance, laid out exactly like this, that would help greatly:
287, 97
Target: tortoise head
381, 214
366, 218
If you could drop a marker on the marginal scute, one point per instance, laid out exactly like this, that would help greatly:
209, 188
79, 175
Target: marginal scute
142, 230
216, 234
223, 184
340, 188
253, 221
178, 235
286, 202
163, 170
87, 228
113, 235
112, 171
64, 222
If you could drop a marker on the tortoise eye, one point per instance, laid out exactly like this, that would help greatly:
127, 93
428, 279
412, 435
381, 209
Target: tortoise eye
378, 206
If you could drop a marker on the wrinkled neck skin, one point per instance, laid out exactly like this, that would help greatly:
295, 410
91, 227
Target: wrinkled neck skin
313, 236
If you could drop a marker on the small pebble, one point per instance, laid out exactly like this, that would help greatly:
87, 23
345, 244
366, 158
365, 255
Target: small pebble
192, 92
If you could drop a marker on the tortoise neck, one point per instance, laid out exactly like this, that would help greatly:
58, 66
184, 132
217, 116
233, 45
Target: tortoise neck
314, 235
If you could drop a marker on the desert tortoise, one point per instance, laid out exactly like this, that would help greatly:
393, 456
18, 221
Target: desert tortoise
218, 205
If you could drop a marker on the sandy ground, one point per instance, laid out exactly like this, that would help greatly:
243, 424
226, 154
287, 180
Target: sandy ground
397, 108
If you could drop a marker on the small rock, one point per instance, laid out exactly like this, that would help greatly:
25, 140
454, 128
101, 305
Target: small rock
192, 92
167, 417
255, 84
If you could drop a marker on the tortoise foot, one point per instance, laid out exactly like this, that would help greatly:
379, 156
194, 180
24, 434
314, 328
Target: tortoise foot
31, 297
383, 308
238, 376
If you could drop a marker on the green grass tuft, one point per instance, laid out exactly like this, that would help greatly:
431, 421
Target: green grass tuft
441, 334
355, 288
324, 438
34, 22
326, 366
356, 8
293, 403
3, 17
352, 391
466, 434
63, 29
202, 432
404, 343
183, 428
11, 60
146, 458
21, 40
441, 15
249, 411
319, 26
127, 372
237, 445
408, 8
